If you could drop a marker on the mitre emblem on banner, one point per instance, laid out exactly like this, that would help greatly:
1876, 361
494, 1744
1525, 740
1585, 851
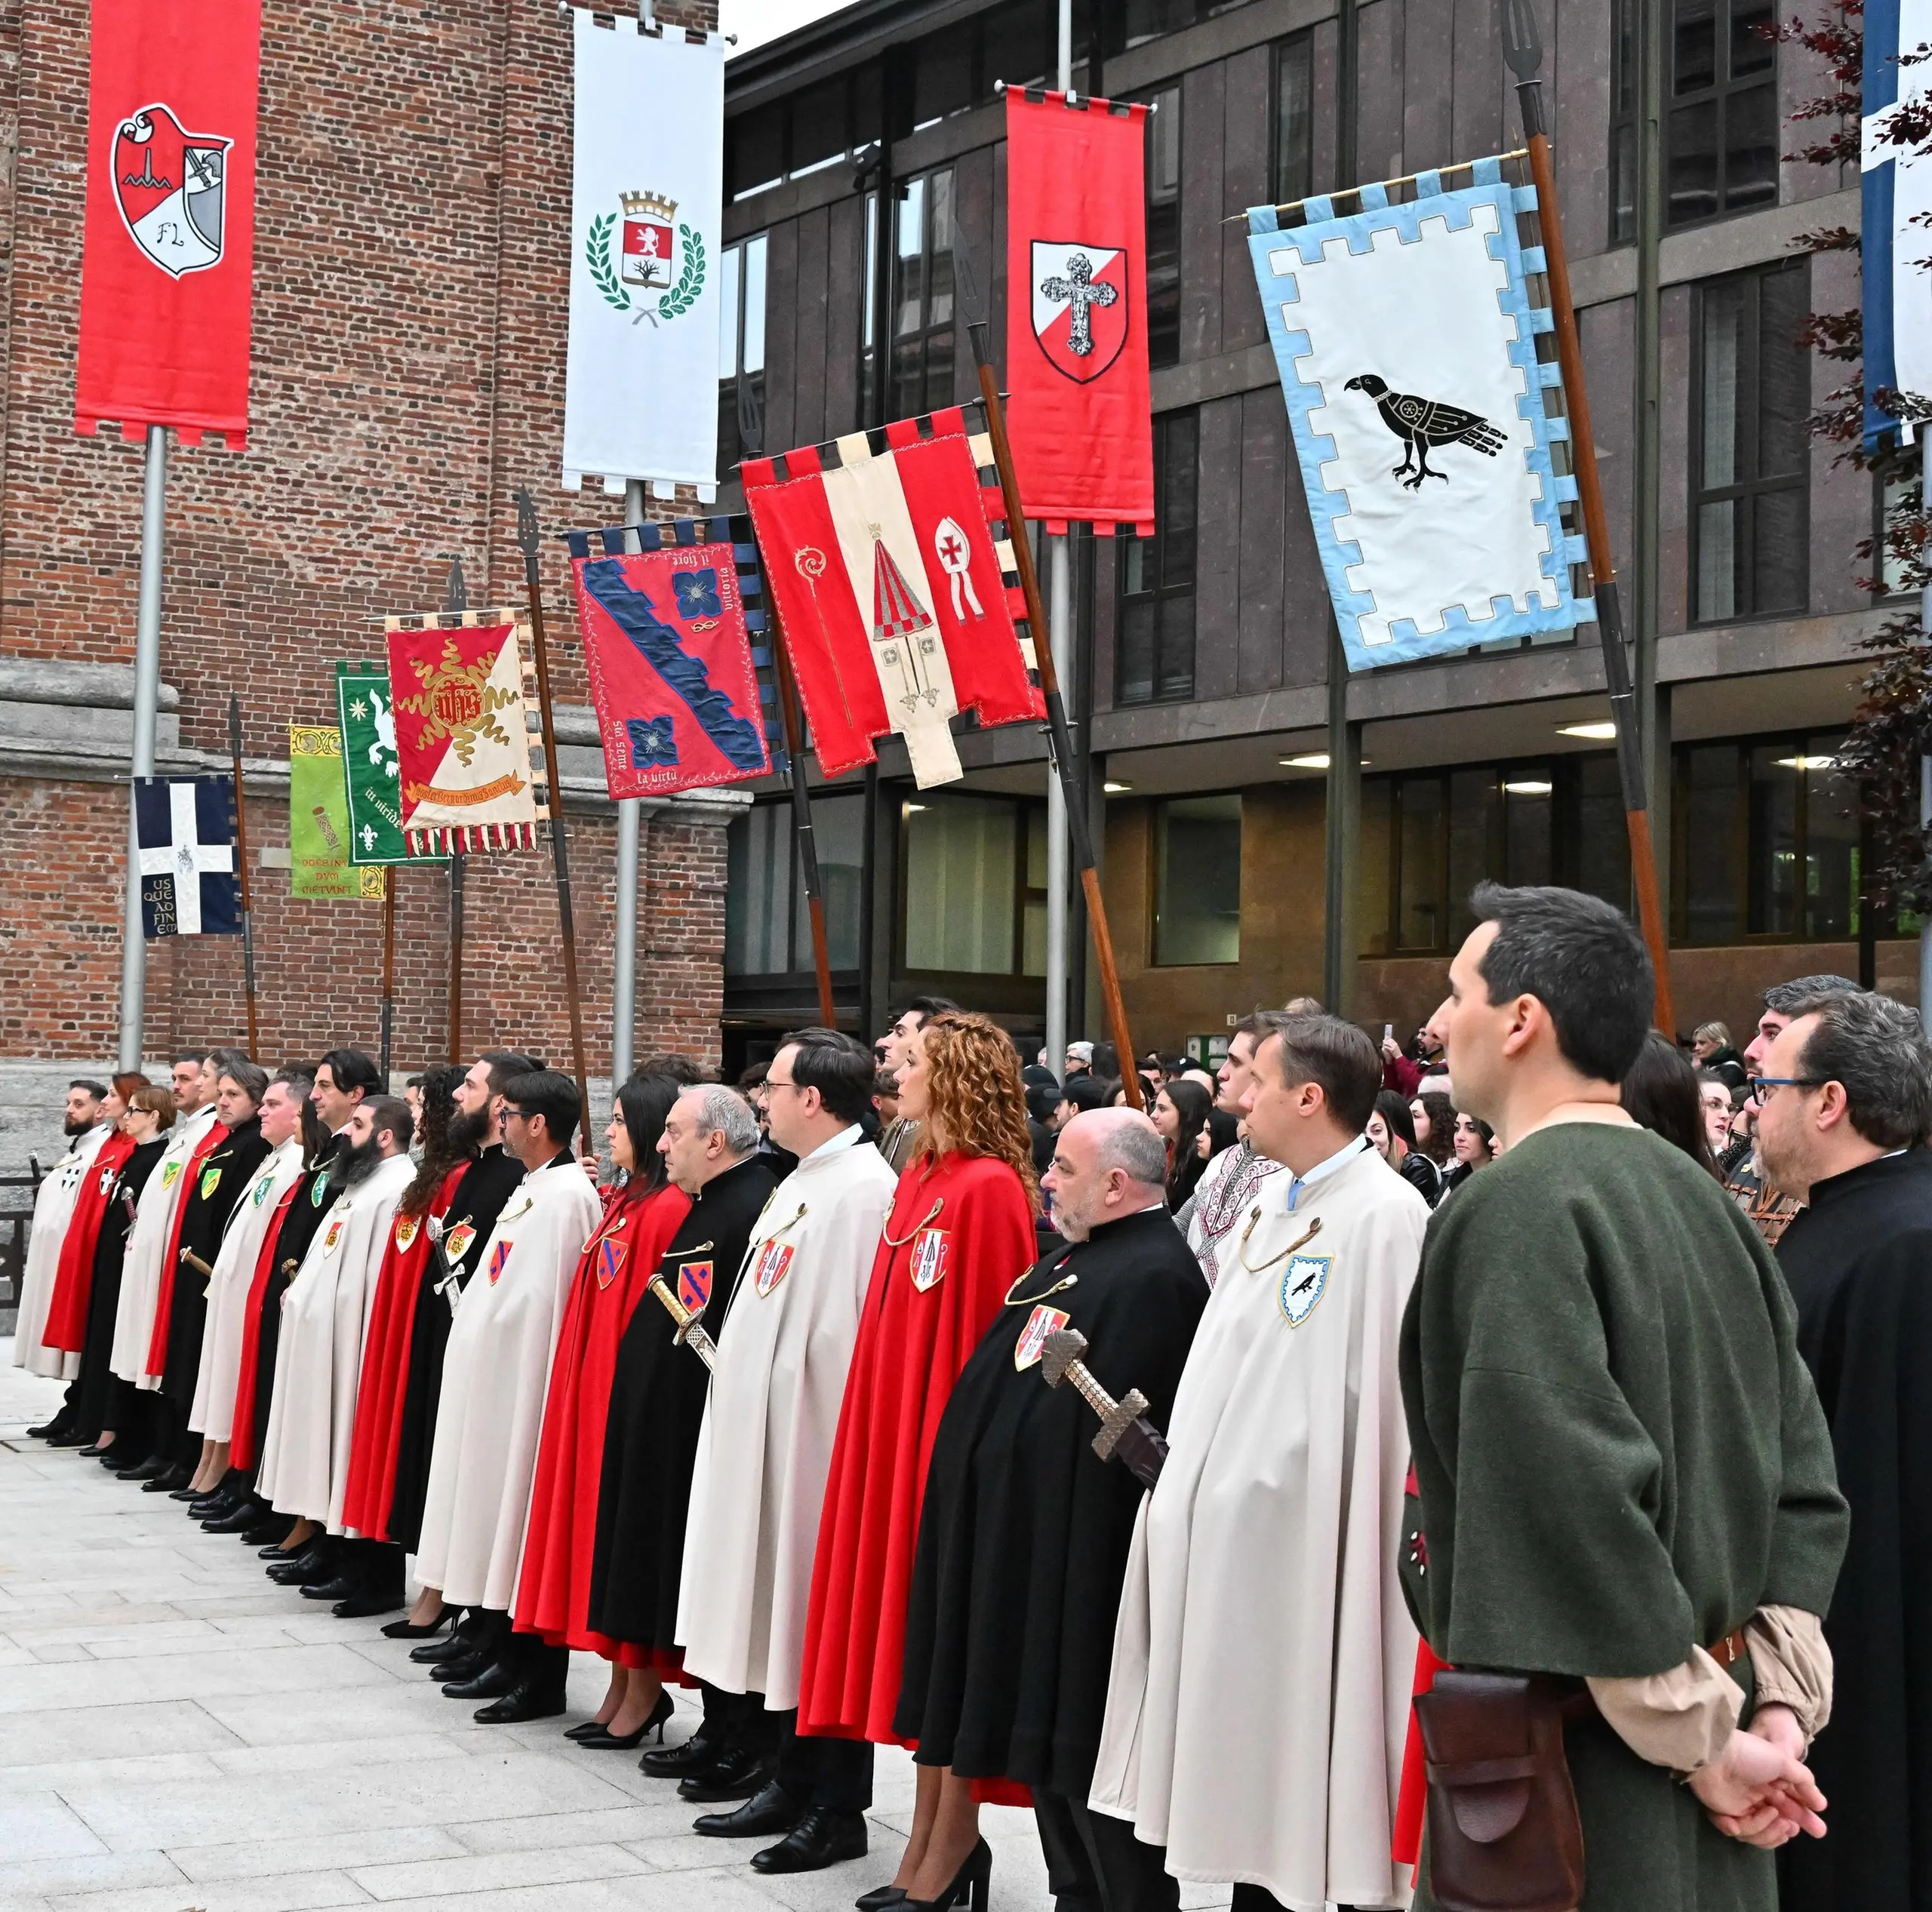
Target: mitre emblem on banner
170, 185
655, 255
1079, 305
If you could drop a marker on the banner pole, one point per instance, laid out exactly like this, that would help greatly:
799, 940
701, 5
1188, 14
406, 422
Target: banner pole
147, 704
1523, 53
630, 817
1058, 639
455, 601
389, 967
533, 577
241, 858
801, 812
1059, 743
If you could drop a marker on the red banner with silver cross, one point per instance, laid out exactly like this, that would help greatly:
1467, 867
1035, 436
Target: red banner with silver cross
1080, 416
168, 255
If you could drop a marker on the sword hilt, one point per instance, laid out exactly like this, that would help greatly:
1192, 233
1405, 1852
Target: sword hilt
1121, 1422
689, 1329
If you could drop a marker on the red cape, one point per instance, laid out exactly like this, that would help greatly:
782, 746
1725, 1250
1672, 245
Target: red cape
241, 1435
370, 1489
911, 1346
157, 1361
66, 1326
553, 1590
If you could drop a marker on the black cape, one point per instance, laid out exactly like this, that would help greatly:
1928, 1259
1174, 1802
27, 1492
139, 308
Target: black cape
204, 1215
1024, 1534
478, 1200
1858, 1261
657, 1395
97, 1385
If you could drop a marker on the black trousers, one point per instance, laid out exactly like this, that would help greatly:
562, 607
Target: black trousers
1095, 1864
836, 1774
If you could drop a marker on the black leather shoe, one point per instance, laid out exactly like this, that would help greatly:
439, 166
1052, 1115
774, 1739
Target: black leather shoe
155, 1464
494, 1680
364, 1605
824, 1836
736, 1773
53, 1429
532, 1697
337, 1586
772, 1808
410, 1630
293, 1568
274, 1552
881, 1899
688, 1755
168, 1481
434, 1652
93, 1451
121, 1459
235, 1519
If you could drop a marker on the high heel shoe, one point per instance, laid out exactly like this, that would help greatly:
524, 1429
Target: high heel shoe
604, 1741
409, 1629
882, 1898
972, 1882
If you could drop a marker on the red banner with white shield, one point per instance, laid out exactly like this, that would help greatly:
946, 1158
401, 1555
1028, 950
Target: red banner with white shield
168, 253
1079, 415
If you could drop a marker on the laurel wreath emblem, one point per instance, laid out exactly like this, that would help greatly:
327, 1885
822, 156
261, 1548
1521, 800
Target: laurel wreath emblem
670, 305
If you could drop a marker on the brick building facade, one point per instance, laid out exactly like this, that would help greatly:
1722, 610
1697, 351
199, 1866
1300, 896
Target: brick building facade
412, 240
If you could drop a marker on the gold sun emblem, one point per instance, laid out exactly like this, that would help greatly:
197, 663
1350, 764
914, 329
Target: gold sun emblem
457, 702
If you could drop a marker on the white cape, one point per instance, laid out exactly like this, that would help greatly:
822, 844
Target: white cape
53, 1207
765, 1447
147, 1243
495, 1370
1263, 1656
318, 1354
212, 1413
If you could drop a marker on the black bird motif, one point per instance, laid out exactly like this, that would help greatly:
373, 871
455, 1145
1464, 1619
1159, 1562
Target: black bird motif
1421, 423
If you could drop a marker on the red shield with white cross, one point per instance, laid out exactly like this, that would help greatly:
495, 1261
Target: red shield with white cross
1079, 305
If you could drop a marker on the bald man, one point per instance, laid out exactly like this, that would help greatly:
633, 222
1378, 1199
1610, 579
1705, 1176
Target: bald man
1024, 1535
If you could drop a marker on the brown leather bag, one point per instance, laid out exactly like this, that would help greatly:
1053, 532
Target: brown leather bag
1503, 1832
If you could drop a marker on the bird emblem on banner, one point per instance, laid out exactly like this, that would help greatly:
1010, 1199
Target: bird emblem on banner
1422, 422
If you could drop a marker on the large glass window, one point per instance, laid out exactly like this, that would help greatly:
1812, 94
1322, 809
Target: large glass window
1197, 880
922, 321
806, 133
1141, 20
1295, 119
975, 885
1163, 228
1750, 398
1155, 662
768, 931
740, 353
1767, 842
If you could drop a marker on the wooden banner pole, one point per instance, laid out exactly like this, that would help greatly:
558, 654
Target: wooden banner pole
526, 537
241, 859
389, 968
1059, 738
455, 601
801, 812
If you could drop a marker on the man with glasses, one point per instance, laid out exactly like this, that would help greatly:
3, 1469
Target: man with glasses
495, 1371
1845, 1097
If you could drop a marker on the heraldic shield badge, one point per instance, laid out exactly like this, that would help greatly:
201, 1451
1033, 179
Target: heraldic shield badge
169, 185
1079, 306
660, 267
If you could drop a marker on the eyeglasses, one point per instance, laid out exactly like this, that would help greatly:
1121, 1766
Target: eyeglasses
515, 1114
1760, 1085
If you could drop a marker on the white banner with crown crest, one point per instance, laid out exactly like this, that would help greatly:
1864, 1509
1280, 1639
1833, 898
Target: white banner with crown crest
641, 392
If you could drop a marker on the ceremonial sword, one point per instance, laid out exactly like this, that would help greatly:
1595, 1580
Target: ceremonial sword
1125, 1431
449, 1288
691, 1328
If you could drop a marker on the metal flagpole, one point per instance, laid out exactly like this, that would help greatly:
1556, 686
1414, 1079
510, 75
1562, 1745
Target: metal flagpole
1523, 53
242, 858
455, 601
630, 816
1059, 744
532, 576
1924, 827
147, 703
1060, 621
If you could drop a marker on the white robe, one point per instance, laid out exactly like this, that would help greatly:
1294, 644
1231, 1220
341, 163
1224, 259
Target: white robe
212, 1413
495, 1370
319, 1353
53, 1206
765, 1447
147, 1243
1263, 1657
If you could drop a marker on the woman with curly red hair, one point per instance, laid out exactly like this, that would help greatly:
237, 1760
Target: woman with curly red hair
960, 1232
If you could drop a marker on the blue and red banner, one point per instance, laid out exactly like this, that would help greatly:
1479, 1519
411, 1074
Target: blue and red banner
667, 640
167, 257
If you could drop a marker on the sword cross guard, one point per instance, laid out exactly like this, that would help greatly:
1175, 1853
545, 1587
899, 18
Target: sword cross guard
1123, 1424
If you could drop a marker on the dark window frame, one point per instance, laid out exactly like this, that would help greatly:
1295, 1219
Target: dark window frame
741, 394
1164, 128
1175, 577
1291, 175
912, 391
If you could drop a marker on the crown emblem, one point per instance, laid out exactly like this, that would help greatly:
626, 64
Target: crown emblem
650, 205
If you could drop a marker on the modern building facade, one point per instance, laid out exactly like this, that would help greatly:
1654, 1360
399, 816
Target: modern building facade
865, 182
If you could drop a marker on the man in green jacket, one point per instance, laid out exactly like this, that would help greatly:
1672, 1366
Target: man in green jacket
1625, 1477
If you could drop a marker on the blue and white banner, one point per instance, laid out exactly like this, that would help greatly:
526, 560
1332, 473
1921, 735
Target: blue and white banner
1406, 345
1896, 191
185, 829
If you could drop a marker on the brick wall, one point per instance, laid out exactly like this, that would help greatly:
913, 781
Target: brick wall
412, 234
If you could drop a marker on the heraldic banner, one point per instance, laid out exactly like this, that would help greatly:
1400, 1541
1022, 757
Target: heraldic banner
1895, 185
898, 604
463, 747
641, 385
318, 819
185, 828
168, 255
1079, 416
1406, 341
667, 639
372, 776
